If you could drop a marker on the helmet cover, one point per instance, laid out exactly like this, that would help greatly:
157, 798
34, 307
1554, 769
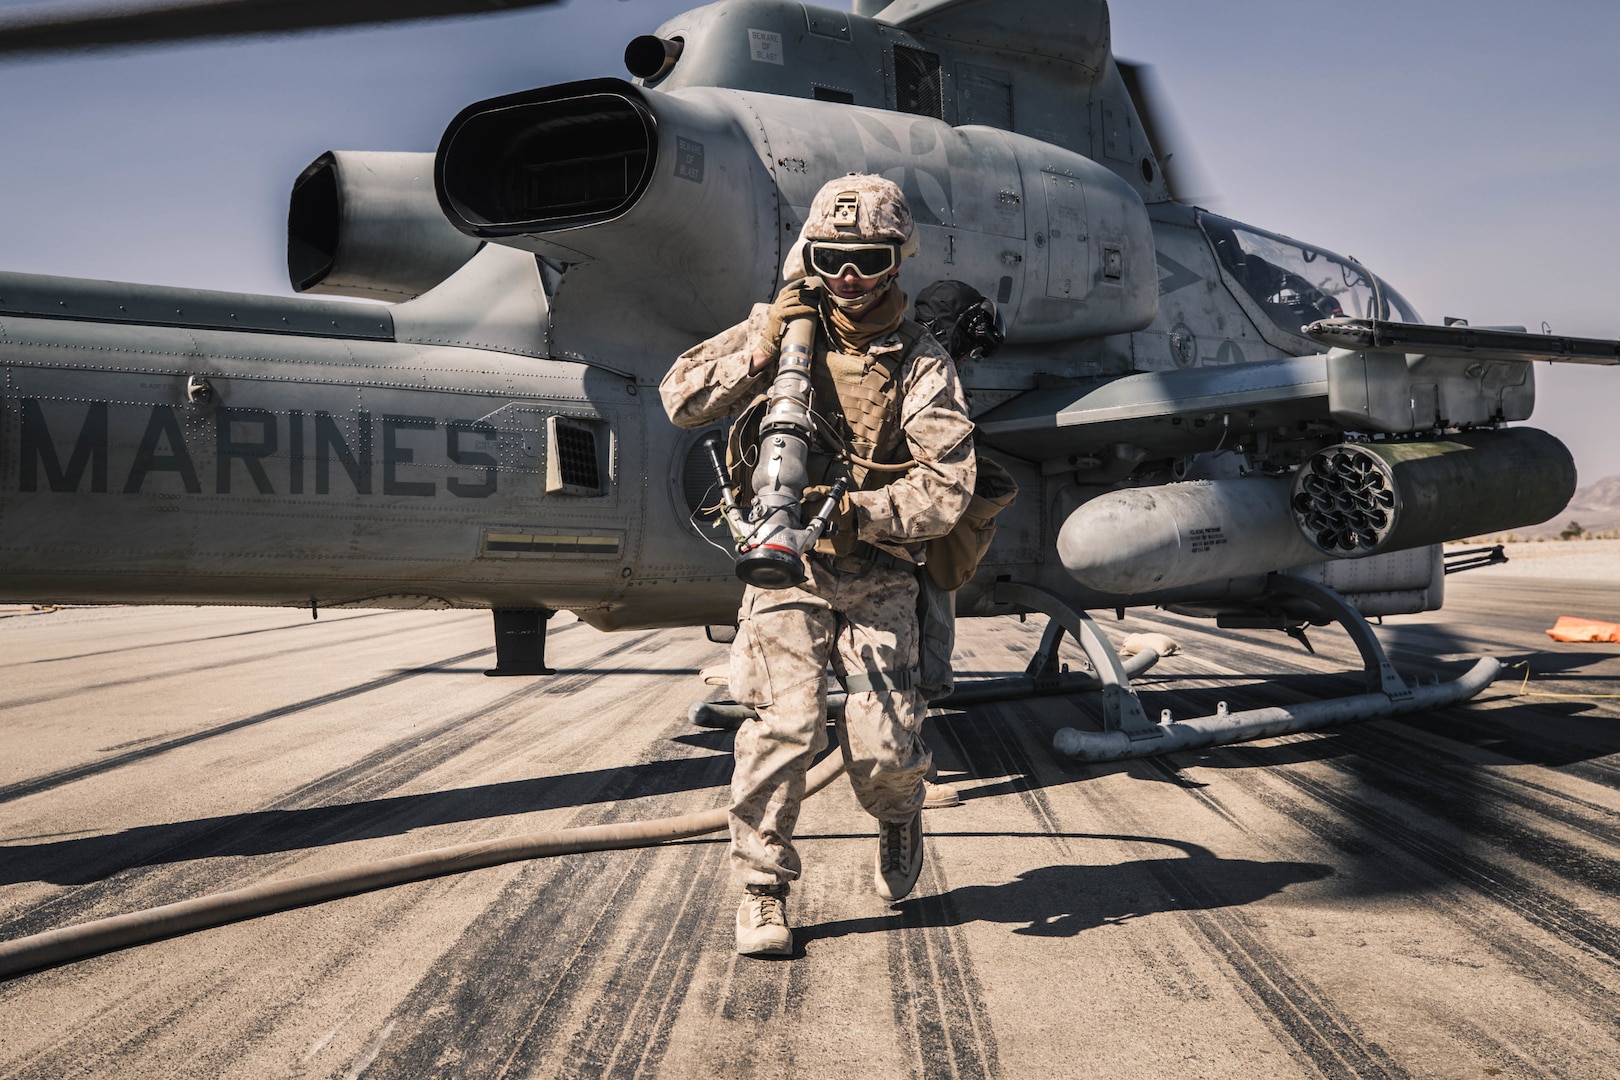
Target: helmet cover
855, 209
860, 209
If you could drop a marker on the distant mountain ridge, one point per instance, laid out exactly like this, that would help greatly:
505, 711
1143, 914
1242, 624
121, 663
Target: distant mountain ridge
1599, 499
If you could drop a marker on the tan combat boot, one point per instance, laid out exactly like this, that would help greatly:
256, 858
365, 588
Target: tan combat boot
762, 928
899, 857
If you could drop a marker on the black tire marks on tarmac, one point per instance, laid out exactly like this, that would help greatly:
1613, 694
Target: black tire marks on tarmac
936, 993
1317, 1033
134, 872
581, 965
46, 782
1483, 906
1416, 788
410, 757
584, 965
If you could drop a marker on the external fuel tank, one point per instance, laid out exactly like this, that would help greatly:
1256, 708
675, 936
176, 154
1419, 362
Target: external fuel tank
1149, 539
1349, 501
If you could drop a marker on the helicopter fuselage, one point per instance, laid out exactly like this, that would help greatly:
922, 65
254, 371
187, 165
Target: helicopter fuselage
497, 440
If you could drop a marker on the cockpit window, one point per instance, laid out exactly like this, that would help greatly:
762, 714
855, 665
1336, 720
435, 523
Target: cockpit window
1297, 284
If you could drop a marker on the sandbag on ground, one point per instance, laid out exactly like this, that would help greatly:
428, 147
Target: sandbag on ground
1569, 628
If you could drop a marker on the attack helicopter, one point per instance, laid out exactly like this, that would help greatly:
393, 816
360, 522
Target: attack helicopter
1201, 414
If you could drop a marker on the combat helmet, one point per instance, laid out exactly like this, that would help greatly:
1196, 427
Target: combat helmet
857, 208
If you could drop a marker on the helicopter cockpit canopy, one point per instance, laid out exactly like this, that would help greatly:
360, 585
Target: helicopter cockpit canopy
1296, 284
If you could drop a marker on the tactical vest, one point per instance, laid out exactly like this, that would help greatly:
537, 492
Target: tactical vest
857, 402
866, 420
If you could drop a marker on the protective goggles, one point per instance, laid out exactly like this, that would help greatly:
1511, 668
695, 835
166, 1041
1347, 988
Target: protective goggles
868, 260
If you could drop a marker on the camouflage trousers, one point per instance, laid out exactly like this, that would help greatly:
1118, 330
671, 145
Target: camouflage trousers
861, 616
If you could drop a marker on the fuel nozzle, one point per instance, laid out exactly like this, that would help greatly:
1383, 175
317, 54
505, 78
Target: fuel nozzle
771, 555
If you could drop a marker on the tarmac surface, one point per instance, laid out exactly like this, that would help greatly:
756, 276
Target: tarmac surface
1436, 896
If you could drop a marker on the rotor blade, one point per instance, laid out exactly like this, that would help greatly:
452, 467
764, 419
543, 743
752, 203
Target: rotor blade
1461, 340
1183, 173
33, 30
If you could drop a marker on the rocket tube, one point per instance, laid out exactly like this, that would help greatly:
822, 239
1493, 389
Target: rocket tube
1358, 499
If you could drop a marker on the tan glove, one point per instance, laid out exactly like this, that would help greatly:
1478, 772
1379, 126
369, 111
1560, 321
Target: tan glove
799, 299
843, 522
843, 538
810, 502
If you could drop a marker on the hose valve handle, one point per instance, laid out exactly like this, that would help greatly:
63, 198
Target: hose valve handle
822, 524
729, 510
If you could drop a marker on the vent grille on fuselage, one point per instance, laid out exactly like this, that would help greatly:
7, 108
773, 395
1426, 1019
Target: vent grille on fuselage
576, 456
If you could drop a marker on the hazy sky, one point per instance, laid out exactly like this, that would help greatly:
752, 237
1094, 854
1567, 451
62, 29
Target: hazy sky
1467, 150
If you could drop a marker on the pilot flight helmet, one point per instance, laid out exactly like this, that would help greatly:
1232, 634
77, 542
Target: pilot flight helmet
856, 209
962, 319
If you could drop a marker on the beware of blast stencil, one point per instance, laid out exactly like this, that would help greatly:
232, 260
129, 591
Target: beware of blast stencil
765, 46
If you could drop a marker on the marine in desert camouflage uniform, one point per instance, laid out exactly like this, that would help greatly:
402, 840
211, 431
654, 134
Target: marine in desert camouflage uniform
896, 393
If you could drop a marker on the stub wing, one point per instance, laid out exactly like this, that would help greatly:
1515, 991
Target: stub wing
1165, 412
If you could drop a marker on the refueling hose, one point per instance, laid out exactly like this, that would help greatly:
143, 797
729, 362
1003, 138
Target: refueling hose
170, 920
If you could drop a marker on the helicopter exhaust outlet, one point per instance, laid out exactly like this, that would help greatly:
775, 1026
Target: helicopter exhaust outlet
367, 224
1358, 499
650, 57
663, 196
1145, 540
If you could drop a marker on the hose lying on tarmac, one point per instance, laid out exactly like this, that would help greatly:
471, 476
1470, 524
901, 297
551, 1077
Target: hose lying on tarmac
137, 928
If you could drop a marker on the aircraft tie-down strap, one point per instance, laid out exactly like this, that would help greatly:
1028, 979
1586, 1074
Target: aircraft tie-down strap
871, 682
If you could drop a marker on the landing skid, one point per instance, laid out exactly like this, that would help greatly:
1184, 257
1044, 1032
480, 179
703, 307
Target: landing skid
1044, 677
1128, 733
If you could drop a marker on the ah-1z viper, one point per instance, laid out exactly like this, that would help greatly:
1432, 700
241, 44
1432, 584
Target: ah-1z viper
1200, 413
